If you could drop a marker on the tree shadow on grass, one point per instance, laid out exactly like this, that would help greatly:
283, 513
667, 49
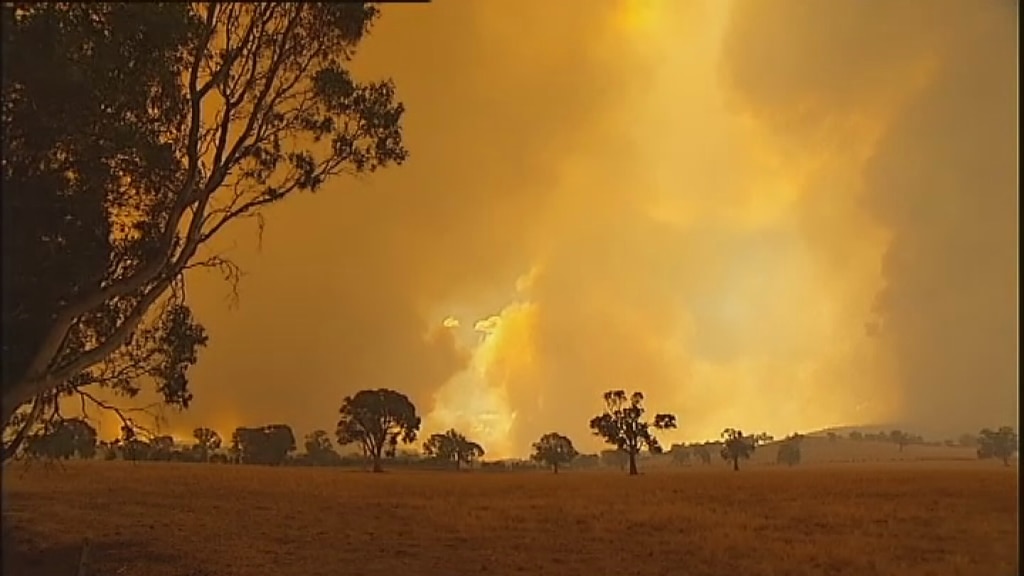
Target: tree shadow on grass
30, 554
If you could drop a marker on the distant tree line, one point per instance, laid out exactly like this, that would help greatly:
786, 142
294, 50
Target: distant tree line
377, 422
898, 437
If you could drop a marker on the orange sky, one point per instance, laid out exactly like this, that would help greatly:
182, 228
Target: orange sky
768, 215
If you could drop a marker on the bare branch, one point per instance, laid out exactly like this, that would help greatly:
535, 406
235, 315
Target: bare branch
122, 413
230, 271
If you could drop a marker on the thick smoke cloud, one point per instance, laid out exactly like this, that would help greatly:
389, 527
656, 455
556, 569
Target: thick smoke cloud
351, 286
937, 84
773, 215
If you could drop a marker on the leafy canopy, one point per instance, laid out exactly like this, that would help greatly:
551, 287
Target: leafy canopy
554, 450
622, 424
453, 447
1001, 443
736, 445
790, 450
377, 420
207, 440
63, 439
268, 445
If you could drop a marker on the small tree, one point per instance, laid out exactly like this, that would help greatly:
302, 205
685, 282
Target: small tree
453, 447
702, 453
63, 439
319, 449
736, 445
133, 448
1001, 443
207, 441
377, 420
269, 444
622, 425
856, 436
554, 450
789, 451
680, 454
161, 447
899, 438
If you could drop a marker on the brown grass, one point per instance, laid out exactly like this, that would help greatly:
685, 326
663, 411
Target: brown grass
161, 519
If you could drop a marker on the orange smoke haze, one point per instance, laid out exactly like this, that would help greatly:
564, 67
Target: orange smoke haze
777, 216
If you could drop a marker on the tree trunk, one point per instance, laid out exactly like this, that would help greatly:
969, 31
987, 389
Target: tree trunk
10, 408
555, 466
13, 399
632, 464
736, 464
376, 463
458, 463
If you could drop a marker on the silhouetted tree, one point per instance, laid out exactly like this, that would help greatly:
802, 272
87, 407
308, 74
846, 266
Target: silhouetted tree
377, 420
266, 445
789, 451
453, 447
109, 449
319, 449
554, 450
856, 436
85, 437
735, 446
207, 441
63, 439
134, 134
584, 461
1001, 443
680, 454
622, 425
135, 449
160, 448
900, 438
702, 453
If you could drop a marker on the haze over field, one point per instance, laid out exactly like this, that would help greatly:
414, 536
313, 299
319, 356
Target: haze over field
778, 215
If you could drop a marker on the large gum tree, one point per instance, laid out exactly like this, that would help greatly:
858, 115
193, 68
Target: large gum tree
135, 133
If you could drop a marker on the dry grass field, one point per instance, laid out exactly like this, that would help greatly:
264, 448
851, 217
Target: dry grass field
164, 519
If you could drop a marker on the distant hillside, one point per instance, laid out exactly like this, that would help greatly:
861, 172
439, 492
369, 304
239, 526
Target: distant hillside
932, 433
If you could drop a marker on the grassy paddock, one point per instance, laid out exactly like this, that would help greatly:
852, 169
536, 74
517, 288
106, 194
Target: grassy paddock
165, 519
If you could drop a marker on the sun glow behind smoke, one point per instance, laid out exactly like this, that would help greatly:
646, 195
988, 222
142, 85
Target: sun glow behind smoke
759, 320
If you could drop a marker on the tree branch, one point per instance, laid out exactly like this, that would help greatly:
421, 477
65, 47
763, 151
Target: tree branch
50, 348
